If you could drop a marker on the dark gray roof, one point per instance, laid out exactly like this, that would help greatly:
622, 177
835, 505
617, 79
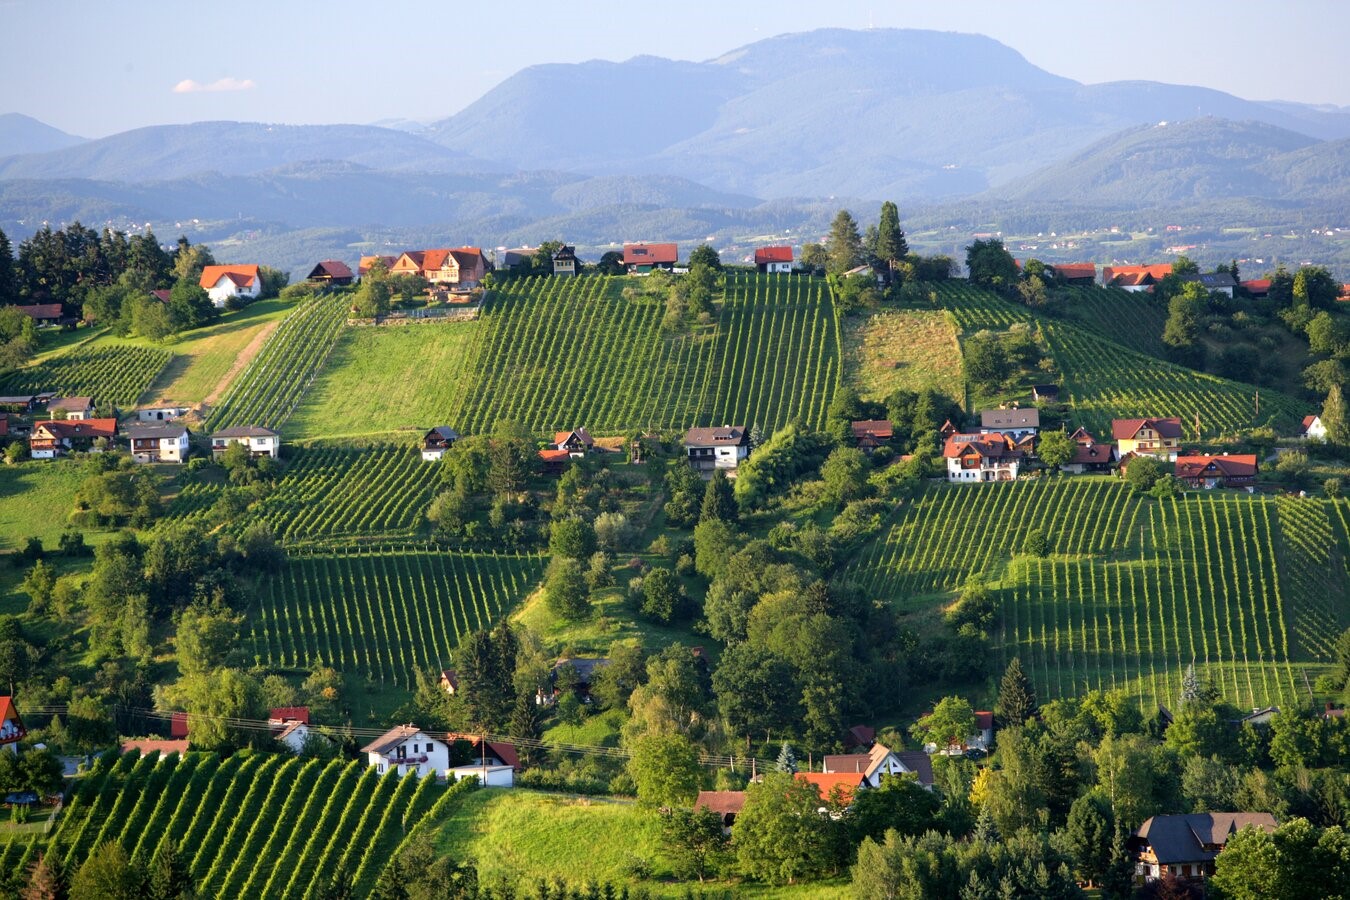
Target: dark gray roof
722, 436
585, 666
245, 431
444, 432
1029, 417
154, 431
1215, 280
919, 763
1197, 837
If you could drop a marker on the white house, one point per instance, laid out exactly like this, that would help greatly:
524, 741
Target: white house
405, 749
488, 776
161, 413
259, 441
773, 259
72, 409
158, 443
879, 761
223, 282
293, 733
981, 457
1313, 429
717, 448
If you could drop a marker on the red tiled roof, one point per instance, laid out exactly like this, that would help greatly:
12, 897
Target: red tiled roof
178, 725
984, 720
826, 783
880, 429
148, 745
282, 713
993, 446
1126, 429
1237, 465
773, 255
1257, 285
41, 310
161, 295
1135, 275
650, 254
1087, 451
82, 428
721, 802
366, 262
9, 713
241, 275
554, 455
1075, 270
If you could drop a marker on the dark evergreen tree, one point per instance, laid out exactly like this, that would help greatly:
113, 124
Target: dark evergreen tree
526, 726
1016, 696
1088, 834
891, 246
845, 246
719, 499
339, 888
170, 875
1118, 879
9, 288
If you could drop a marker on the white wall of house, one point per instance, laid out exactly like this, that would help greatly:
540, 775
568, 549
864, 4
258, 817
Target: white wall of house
225, 288
417, 754
160, 413
729, 457
488, 776
256, 445
784, 268
1316, 431
988, 471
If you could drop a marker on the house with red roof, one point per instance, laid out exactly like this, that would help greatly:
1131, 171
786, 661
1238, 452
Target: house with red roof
223, 282
11, 726
1135, 278
982, 457
727, 805
446, 269
49, 440
773, 259
290, 726
1312, 429
366, 262
835, 786
643, 259
42, 313
331, 272
577, 442
553, 461
1160, 437
1256, 288
870, 434
1089, 455
488, 753
1223, 471
1074, 273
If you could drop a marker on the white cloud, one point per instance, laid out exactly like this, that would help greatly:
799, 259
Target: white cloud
189, 86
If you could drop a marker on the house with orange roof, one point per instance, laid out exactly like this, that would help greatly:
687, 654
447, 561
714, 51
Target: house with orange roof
982, 457
1075, 273
837, 787
577, 442
1222, 471
1135, 278
774, 259
366, 262
224, 282
1312, 429
1160, 437
1256, 288
881, 761
49, 440
11, 726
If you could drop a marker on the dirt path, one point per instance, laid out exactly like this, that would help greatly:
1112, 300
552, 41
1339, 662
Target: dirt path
243, 359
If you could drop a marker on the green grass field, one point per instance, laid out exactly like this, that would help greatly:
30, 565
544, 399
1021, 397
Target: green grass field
35, 499
204, 361
381, 381
1134, 590
902, 350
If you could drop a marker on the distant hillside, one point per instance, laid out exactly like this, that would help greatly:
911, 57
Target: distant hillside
1201, 159
24, 134
918, 114
235, 148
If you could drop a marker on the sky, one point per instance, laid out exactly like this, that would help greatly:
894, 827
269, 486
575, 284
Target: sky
93, 67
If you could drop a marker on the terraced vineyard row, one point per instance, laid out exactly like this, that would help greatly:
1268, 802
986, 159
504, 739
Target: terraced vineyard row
385, 613
256, 826
340, 492
275, 380
1105, 311
555, 353
116, 375
976, 309
1133, 590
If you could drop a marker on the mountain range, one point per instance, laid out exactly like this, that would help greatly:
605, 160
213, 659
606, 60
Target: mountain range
754, 140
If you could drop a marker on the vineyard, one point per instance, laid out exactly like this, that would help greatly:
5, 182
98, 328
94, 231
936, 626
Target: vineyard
1105, 380
272, 384
385, 613
1102, 310
116, 374
556, 352
1134, 590
248, 826
341, 492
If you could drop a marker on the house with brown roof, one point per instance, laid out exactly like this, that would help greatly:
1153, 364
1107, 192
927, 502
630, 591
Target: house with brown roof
727, 805
643, 259
1089, 455
365, 264
223, 282
459, 269
43, 313
577, 442
71, 408
331, 272
437, 441
406, 749
869, 434
565, 262
449, 681
880, 761
1187, 845
158, 442
1223, 471
981, 457
723, 447
1160, 437
1135, 278
1084, 273
774, 259
49, 440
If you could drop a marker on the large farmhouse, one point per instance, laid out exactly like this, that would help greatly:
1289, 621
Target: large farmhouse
981, 457
1187, 845
1147, 437
717, 448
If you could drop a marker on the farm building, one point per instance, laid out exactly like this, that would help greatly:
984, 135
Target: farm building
642, 259
290, 726
554, 461
1075, 273
727, 805
158, 442
331, 272
487, 752
870, 434
565, 262
1045, 393
981, 457
1235, 470
1257, 288
223, 282
773, 259
51, 439
1187, 845
488, 776
42, 313
1147, 437
407, 749
161, 413
438, 440
71, 408
717, 448
518, 256
259, 441
1136, 279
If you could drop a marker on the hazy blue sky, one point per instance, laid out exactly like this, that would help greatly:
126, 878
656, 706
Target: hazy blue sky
94, 67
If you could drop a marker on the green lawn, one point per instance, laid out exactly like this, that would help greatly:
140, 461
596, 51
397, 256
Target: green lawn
35, 498
907, 349
610, 621
381, 381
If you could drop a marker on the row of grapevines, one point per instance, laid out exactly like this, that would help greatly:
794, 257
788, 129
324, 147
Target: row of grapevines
115, 375
388, 613
275, 380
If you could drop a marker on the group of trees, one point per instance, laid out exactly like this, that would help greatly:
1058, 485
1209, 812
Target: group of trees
483, 498
109, 873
